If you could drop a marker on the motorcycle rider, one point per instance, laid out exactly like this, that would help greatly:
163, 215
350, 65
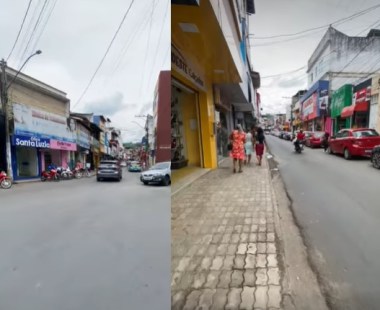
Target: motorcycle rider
300, 138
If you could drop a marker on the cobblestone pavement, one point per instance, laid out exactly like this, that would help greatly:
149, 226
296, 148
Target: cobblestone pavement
224, 253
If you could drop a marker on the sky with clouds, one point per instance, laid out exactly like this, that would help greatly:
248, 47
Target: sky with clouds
74, 35
274, 56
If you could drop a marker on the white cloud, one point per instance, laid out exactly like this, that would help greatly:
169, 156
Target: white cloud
75, 39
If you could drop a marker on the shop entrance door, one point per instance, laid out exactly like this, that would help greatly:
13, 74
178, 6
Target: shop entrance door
185, 127
27, 162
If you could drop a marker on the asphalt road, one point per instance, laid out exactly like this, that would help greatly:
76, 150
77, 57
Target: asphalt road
83, 245
337, 204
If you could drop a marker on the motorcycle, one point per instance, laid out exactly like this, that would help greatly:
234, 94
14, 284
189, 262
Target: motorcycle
298, 146
64, 173
51, 175
5, 181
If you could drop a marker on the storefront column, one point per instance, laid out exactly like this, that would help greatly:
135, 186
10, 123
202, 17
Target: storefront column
206, 110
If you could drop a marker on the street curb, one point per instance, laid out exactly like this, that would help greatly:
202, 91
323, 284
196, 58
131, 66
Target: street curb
300, 285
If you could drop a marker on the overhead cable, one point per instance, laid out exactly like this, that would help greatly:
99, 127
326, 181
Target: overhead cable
21, 27
105, 55
339, 21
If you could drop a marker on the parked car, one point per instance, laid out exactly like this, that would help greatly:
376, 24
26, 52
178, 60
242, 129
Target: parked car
287, 135
159, 173
109, 169
375, 157
354, 142
314, 139
135, 166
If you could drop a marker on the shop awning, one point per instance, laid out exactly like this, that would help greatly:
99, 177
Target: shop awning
349, 111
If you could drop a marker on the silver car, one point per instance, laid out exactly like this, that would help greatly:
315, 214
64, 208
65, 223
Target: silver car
109, 169
159, 173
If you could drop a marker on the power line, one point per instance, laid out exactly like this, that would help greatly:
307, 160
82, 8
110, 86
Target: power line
166, 53
128, 43
28, 31
34, 29
339, 21
159, 41
276, 75
369, 27
19, 32
45, 24
105, 55
147, 49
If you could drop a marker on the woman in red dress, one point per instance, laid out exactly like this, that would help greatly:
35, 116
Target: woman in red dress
260, 138
237, 138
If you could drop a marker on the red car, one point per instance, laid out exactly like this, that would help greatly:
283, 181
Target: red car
354, 142
314, 138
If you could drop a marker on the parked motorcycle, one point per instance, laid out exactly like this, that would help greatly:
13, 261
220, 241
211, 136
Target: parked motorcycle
65, 173
50, 175
5, 181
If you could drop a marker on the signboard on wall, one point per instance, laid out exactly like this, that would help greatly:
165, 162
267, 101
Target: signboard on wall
310, 107
29, 121
362, 95
27, 141
183, 66
323, 100
83, 137
62, 145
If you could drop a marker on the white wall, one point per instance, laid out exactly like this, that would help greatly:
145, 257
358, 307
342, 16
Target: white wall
348, 59
225, 16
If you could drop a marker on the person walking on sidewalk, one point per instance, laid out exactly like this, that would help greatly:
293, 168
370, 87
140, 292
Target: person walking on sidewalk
248, 147
260, 138
237, 138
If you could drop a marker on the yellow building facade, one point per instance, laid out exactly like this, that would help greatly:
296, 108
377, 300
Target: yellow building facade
200, 58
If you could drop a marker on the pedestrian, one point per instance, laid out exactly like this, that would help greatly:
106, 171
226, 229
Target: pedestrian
325, 141
248, 147
237, 139
260, 138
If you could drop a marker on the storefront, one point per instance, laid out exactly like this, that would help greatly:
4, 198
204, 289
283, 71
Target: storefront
39, 139
185, 133
341, 98
59, 154
358, 112
83, 144
374, 121
26, 156
193, 123
314, 107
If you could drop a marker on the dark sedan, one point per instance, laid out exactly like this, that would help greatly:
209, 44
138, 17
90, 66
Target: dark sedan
109, 169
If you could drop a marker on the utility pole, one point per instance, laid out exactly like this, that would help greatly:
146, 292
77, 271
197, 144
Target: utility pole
4, 101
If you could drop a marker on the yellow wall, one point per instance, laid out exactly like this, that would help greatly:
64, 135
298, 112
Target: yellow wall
206, 107
189, 112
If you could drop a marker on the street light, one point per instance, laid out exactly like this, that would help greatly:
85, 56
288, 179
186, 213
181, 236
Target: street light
4, 100
38, 52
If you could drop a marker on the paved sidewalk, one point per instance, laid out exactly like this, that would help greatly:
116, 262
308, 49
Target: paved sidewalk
224, 253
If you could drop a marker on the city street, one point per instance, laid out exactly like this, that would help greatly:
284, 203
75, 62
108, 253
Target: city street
336, 203
83, 244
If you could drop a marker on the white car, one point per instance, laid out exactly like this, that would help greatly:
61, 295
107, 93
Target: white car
159, 173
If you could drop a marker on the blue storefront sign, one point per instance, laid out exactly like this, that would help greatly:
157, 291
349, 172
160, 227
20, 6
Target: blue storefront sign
30, 141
